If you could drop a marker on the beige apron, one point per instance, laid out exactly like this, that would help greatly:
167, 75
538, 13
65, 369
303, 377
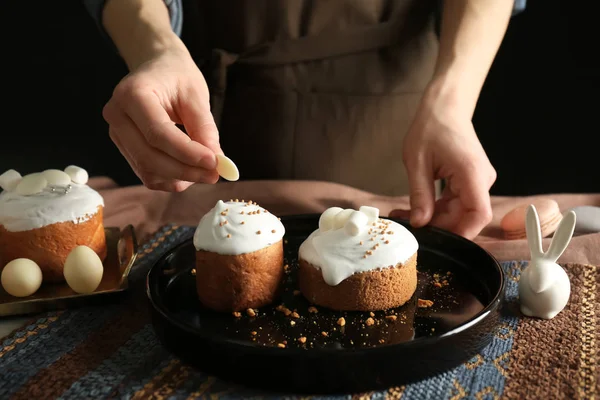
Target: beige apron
318, 90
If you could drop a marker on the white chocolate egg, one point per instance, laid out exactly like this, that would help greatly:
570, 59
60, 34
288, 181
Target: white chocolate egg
21, 277
56, 177
31, 184
83, 270
326, 219
9, 180
77, 174
227, 168
340, 219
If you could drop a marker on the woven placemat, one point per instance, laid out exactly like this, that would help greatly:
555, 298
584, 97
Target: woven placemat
111, 351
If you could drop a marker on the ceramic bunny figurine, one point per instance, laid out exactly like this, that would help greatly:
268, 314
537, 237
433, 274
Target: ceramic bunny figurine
544, 287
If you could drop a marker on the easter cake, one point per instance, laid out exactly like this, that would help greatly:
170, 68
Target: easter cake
45, 215
356, 261
239, 256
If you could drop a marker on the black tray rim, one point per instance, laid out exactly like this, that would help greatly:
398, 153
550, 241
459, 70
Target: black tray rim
492, 306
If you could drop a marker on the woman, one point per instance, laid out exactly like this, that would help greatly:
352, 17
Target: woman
352, 91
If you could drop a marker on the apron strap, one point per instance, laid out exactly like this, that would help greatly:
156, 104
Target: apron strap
326, 45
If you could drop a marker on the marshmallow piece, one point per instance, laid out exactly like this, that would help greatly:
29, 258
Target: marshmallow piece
77, 174
356, 223
56, 177
9, 180
327, 218
227, 168
372, 213
340, 219
31, 184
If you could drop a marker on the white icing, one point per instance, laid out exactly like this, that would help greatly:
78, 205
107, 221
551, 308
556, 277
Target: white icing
232, 228
339, 255
22, 213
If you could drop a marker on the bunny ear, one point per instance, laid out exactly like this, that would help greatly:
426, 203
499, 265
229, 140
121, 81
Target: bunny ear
534, 233
561, 237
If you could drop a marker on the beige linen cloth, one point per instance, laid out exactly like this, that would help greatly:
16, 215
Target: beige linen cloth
148, 210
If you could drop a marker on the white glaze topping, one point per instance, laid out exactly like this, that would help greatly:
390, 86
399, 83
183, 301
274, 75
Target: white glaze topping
21, 213
339, 254
237, 227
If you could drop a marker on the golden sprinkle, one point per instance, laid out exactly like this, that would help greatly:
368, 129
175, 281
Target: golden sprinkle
224, 222
390, 233
223, 213
324, 334
371, 314
243, 222
302, 339
365, 256
361, 243
374, 224
253, 333
387, 242
251, 312
229, 236
292, 323
237, 314
241, 212
281, 345
369, 252
341, 321
236, 200
193, 271
273, 231
258, 232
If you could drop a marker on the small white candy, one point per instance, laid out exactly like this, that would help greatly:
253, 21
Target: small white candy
21, 277
56, 177
371, 212
9, 180
340, 219
327, 218
77, 174
31, 184
227, 168
356, 223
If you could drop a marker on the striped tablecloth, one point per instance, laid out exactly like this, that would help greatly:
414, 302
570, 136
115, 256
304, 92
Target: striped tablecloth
111, 351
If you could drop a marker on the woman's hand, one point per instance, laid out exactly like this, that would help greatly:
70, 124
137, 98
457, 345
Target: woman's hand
168, 89
442, 144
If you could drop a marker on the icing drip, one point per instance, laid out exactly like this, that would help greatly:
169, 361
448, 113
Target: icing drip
22, 213
338, 254
237, 227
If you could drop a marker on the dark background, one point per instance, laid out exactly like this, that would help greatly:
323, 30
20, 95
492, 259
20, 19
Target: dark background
537, 115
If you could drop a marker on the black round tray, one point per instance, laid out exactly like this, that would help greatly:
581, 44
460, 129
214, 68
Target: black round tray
465, 283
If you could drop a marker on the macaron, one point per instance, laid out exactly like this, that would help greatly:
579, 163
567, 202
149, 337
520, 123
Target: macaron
513, 223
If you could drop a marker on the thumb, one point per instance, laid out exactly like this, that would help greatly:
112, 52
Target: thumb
422, 191
199, 122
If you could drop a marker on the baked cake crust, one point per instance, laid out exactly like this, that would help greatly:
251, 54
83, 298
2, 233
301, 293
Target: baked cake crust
229, 283
365, 291
50, 245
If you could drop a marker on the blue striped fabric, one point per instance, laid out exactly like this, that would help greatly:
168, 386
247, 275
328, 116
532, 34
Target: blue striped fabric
140, 367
